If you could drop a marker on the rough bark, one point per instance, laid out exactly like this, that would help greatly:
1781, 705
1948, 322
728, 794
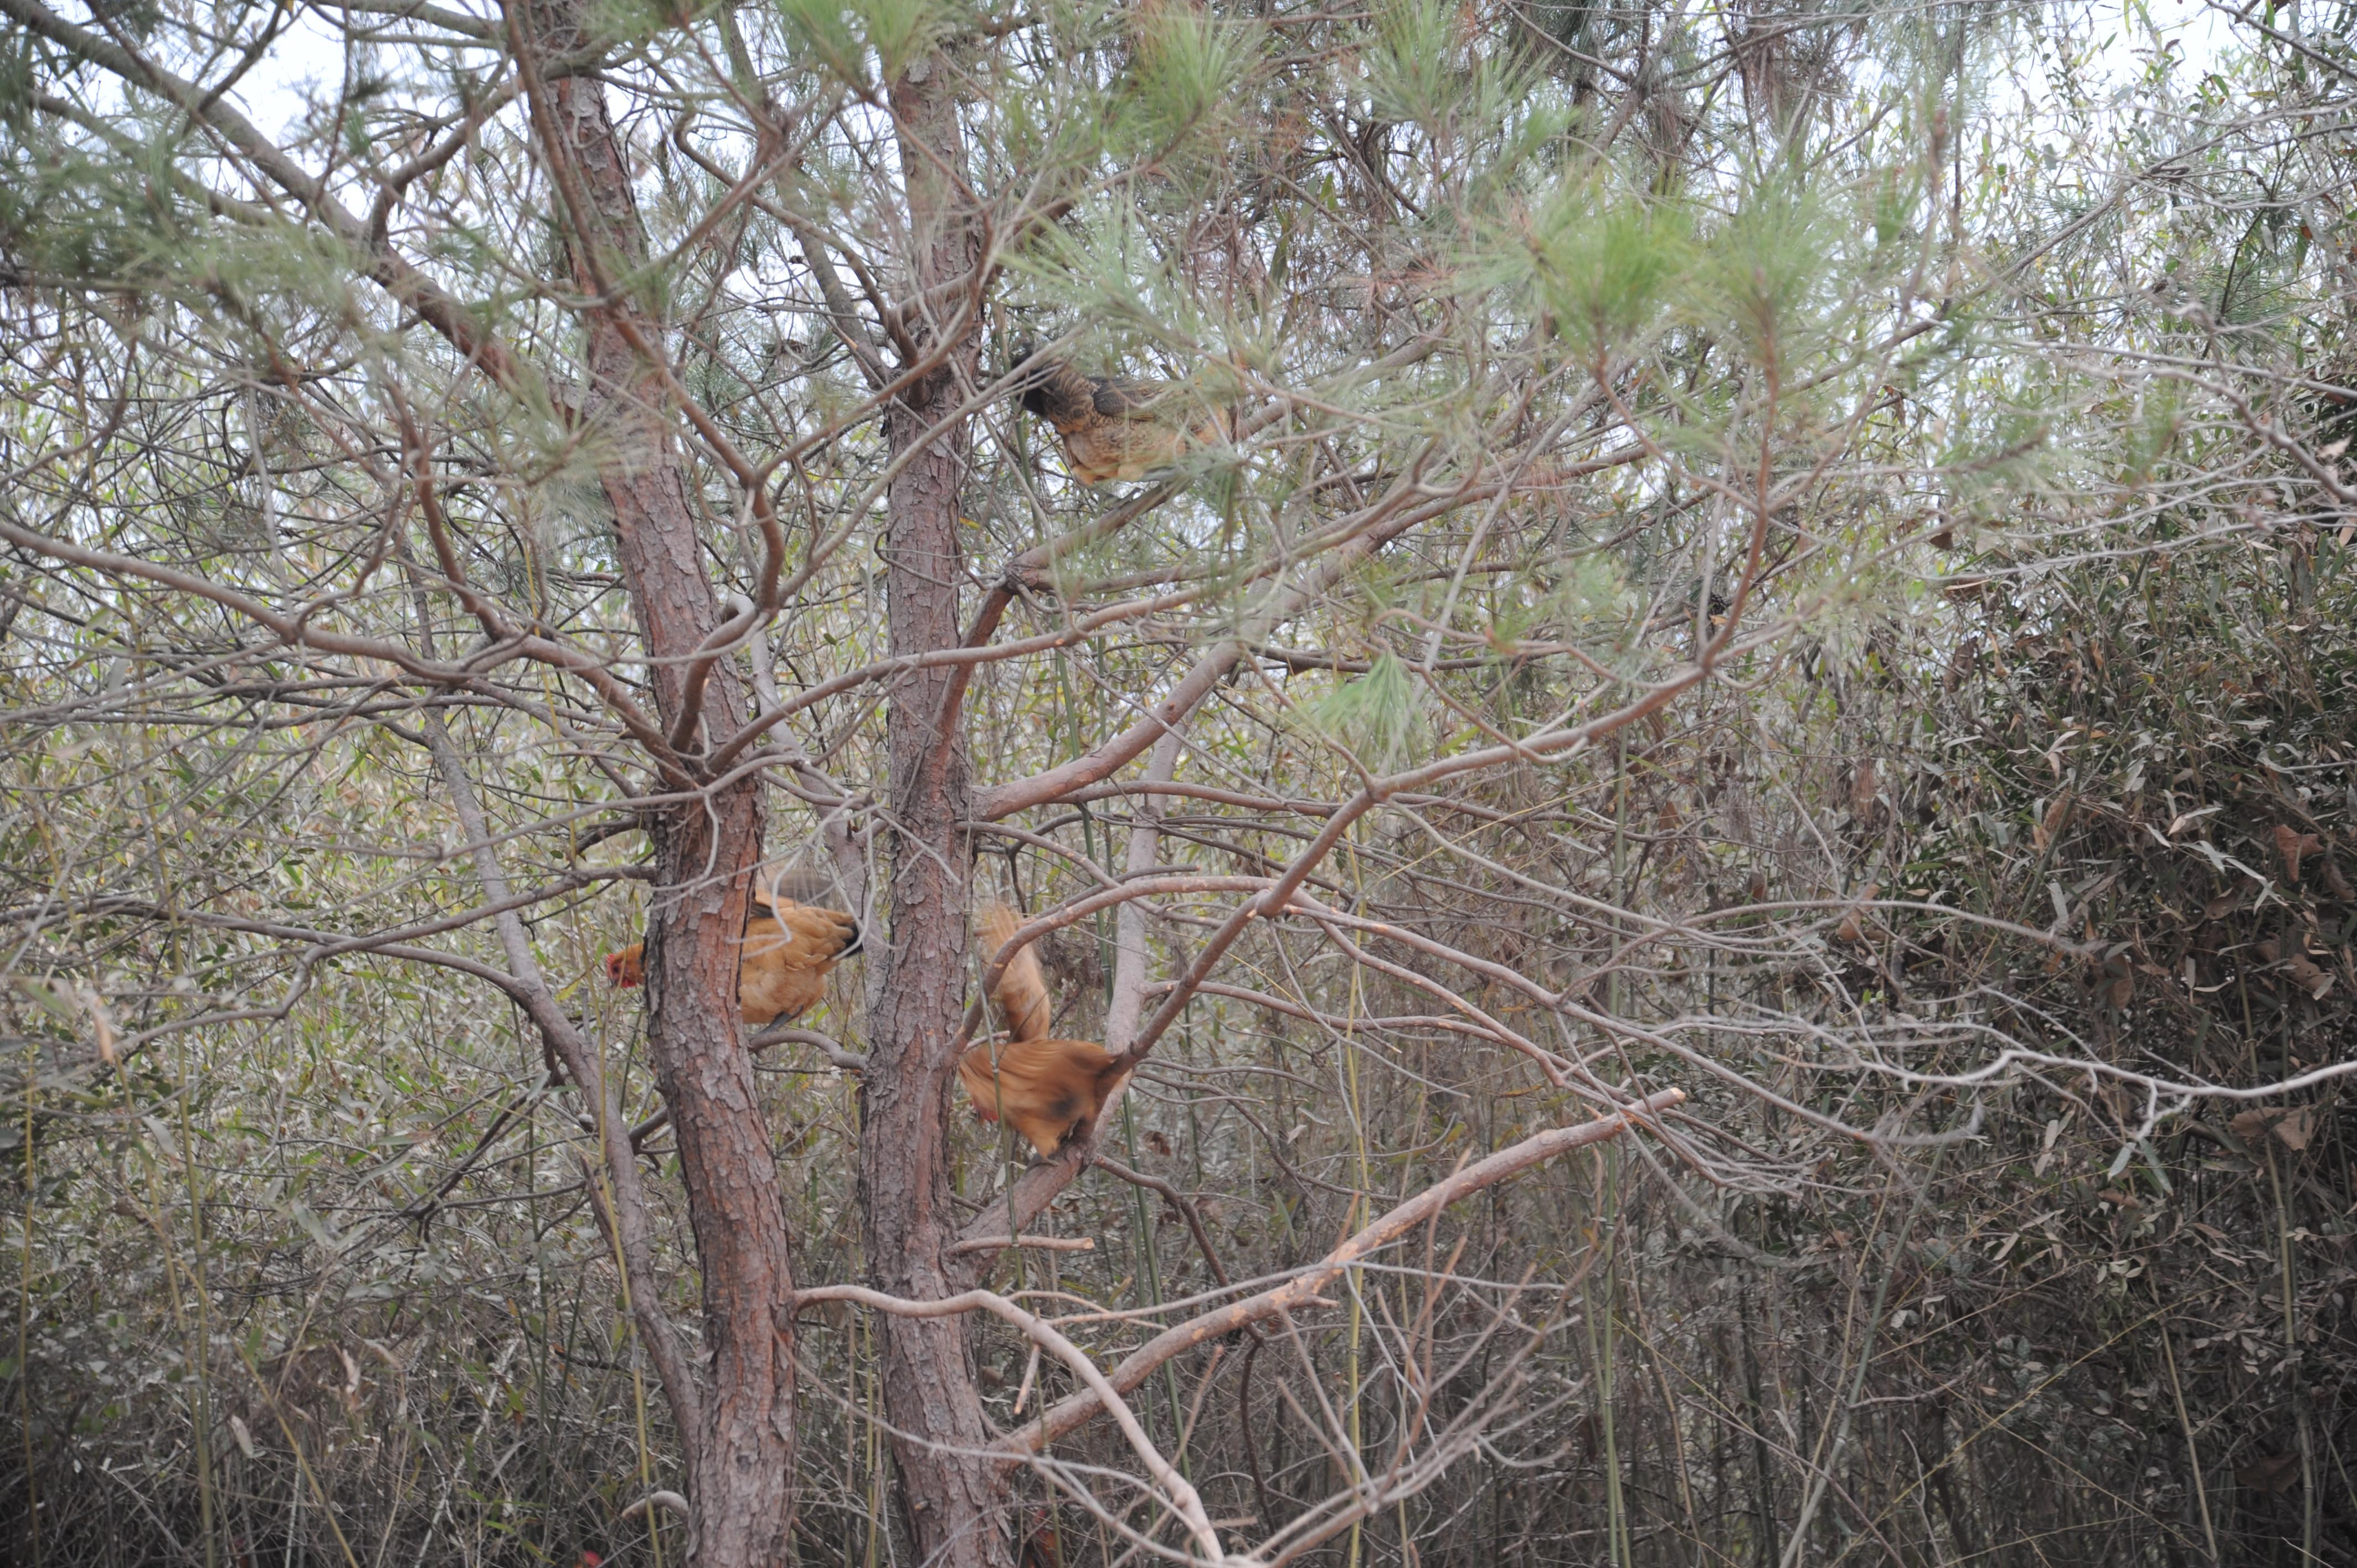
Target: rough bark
741, 1482
948, 1498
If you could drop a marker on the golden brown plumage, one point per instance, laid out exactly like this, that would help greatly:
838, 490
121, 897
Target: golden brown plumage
1115, 427
1042, 1546
1049, 1091
788, 951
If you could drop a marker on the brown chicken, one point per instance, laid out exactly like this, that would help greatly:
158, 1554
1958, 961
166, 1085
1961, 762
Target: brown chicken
1115, 427
1042, 1546
782, 971
1047, 1091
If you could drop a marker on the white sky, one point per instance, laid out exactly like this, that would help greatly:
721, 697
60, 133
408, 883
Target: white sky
308, 61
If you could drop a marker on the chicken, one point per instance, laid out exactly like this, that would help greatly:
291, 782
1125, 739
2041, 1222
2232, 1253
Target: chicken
1042, 1546
1115, 427
1050, 1091
782, 969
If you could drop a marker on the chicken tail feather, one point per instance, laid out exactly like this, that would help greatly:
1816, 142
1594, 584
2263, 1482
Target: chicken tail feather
1021, 992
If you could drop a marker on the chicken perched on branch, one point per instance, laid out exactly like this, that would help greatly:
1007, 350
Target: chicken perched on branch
1049, 1091
1115, 427
788, 951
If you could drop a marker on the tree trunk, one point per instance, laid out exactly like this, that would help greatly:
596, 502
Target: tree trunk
947, 1496
740, 1464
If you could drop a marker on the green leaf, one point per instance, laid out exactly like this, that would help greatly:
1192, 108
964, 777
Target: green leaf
1380, 715
1411, 70
826, 32
1189, 70
1605, 263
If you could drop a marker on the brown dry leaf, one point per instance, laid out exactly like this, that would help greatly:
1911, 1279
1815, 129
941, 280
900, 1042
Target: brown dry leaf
1850, 930
2292, 845
1962, 662
2296, 1128
2051, 826
2307, 976
1862, 787
2276, 1473
104, 1023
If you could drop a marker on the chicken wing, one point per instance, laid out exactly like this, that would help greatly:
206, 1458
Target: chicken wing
1115, 427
